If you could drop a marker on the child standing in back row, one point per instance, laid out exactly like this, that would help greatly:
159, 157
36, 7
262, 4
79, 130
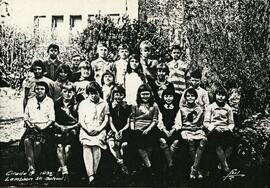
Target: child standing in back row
101, 64
121, 64
178, 70
134, 78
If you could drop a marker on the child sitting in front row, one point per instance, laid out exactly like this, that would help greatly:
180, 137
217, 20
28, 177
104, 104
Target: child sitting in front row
168, 124
66, 123
220, 123
119, 114
192, 125
38, 116
93, 118
143, 124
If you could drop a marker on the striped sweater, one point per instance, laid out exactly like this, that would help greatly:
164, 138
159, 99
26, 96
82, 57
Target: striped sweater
177, 76
143, 116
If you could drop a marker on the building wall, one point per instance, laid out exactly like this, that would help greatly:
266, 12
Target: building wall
39, 14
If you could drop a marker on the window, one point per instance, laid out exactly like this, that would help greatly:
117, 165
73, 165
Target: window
57, 21
39, 21
75, 21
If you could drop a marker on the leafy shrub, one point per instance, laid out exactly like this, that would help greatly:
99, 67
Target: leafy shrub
232, 38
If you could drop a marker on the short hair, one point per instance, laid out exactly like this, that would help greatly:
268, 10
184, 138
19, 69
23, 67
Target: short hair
146, 43
168, 91
191, 91
123, 46
196, 74
93, 87
69, 86
85, 64
176, 47
44, 84
107, 72
64, 68
37, 63
117, 89
163, 66
53, 46
76, 55
221, 90
142, 88
102, 44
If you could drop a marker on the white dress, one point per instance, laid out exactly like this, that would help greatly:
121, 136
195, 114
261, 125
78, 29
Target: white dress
92, 115
132, 83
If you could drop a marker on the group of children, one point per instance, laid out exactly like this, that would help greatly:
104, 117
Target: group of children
135, 102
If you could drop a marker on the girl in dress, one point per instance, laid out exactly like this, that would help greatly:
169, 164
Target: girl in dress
38, 117
143, 124
119, 114
66, 124
220, 123
93, 118
192, 124
107, 82
134, 78
169, 124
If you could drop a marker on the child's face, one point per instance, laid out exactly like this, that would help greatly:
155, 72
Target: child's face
195, 82
67, 93
123, 53
63, 75
161, 74
94, 97
85, 72
168, 98
40, 91
38, 72
108, 79
75, 61
190, 98
145, 52
118, 97
176, 54
220, 98
53, 53
134, 64
145, 96
102, 51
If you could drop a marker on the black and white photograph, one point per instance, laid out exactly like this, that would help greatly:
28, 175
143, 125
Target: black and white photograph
135, 93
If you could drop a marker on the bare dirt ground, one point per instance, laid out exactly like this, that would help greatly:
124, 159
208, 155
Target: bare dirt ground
11, 115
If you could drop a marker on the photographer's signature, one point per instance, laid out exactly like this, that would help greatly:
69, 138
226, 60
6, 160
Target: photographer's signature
233, 173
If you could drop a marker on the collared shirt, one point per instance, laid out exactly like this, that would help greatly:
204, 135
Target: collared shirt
218, 116
177, 76
169, 117
40, 113
50, 68
202, 100
121, 69
92, 115
31, 83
